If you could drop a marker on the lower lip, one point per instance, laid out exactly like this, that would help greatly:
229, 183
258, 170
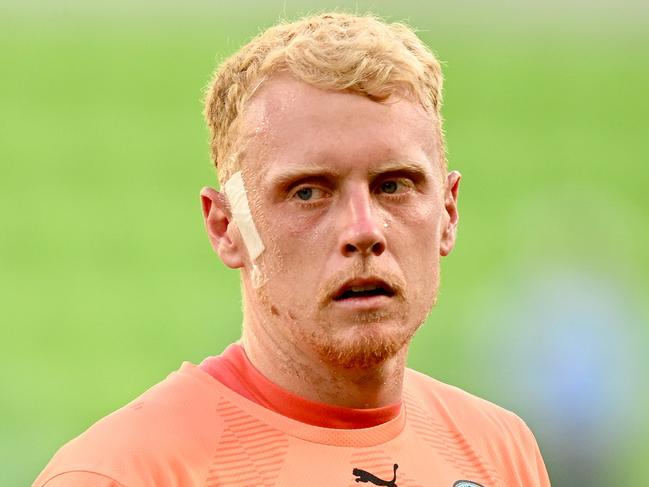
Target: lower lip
363, 303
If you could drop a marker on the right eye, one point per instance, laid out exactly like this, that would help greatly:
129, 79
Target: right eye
309, 193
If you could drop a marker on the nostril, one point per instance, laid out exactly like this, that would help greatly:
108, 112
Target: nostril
378, 248
365, 239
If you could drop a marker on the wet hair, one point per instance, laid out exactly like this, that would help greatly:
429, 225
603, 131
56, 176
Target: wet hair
332, 51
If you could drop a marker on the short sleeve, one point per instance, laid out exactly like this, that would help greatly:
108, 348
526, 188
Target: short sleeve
80, 478
533, 471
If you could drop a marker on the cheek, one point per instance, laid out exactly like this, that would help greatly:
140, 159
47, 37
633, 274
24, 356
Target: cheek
290, 259
419, 226
415, 239
300, 239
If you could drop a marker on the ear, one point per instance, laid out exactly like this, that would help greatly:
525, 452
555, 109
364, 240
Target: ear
450, 205
217, 217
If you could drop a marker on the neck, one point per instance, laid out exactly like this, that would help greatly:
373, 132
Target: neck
302, 372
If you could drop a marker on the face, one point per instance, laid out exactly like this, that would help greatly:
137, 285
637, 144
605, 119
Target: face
354, 210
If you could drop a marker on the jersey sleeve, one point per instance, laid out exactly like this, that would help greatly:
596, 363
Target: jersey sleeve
79, 478
531, 468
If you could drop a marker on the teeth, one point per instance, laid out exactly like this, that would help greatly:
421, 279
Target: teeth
360, 289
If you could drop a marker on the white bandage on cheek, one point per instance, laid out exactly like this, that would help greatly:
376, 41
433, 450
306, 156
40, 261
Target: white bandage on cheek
235, 191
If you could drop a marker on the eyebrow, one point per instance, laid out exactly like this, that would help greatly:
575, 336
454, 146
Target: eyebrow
409, 167
288, 175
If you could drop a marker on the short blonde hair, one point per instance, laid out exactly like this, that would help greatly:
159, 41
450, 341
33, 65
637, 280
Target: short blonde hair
333, 51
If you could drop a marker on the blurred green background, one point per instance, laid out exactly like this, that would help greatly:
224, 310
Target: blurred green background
107, 281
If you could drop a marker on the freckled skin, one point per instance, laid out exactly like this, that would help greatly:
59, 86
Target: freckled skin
377, 202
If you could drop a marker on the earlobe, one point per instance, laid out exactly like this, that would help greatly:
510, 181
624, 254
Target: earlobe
217, 218
450, 205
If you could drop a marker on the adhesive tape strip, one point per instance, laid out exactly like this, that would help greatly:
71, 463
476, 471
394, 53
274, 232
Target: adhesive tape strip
236, 194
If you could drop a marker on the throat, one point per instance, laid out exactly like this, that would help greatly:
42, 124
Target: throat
236, 371
320, 381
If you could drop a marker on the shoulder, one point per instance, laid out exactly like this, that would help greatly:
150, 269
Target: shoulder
491, 432
459, 407
77, 478
166, 433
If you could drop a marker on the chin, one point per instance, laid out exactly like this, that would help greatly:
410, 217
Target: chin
366, 344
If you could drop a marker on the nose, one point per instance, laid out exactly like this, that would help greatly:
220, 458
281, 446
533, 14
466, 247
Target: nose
363, 231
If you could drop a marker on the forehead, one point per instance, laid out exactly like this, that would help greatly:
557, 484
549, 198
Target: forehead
289, 122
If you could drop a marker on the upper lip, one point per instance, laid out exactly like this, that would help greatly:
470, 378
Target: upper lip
363, 284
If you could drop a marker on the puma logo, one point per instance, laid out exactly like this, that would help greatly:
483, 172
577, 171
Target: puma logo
364, 476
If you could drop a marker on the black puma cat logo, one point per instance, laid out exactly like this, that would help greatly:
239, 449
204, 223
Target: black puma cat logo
364, 476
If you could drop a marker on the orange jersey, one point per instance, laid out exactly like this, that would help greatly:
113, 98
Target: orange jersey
191, 430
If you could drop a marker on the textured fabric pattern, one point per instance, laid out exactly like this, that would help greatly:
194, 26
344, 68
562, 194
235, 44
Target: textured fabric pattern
191, 430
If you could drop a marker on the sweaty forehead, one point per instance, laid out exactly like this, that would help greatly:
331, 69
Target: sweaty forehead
288, 119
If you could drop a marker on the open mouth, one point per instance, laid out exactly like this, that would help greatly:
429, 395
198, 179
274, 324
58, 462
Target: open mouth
366, 289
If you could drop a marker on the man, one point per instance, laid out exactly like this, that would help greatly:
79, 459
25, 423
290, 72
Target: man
336, 207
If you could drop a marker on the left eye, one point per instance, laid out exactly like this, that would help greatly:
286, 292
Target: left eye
395, 186
305, 194
389, 187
